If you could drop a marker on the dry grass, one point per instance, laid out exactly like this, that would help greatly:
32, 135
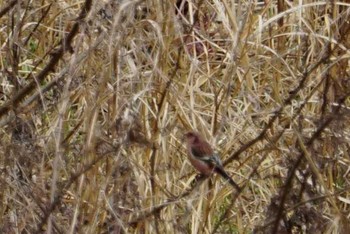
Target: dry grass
96, 96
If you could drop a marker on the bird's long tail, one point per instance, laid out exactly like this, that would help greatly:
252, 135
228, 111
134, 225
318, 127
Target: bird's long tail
222, 172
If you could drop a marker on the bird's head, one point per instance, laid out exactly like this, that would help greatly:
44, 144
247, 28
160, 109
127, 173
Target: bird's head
192, 137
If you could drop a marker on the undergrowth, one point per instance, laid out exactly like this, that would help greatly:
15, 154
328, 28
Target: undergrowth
96, 97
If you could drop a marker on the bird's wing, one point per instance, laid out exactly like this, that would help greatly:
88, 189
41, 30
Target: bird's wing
202, 151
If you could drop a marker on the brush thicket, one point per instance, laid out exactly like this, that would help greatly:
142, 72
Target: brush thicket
96, 96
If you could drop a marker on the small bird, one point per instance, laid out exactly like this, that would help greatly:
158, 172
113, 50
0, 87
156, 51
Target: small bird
203, 158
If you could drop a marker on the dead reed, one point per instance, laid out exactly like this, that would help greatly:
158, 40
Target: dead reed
96, 96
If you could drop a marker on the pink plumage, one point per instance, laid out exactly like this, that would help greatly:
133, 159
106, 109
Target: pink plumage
203, 158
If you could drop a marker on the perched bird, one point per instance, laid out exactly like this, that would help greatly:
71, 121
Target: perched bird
203, 158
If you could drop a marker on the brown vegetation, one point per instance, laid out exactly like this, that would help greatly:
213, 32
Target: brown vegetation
96, 96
